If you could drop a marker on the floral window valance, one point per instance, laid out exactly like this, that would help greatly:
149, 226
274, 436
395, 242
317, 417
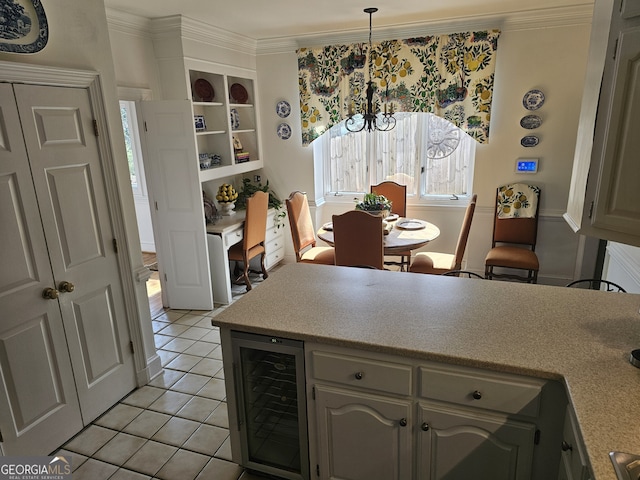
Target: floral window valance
448, 75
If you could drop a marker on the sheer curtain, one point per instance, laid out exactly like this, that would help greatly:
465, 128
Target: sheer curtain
429, 157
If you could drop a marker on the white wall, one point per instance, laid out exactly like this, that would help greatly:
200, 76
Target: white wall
622, 266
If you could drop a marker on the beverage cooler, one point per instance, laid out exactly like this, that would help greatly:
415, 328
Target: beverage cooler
269, 386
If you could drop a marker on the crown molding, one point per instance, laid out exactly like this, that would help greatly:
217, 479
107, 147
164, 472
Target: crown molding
128, 23
517, 21
196, 30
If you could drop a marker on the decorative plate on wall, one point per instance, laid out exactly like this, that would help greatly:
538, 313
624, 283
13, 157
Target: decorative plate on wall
529, 141
530, 122
283, 109
23, 26
284, 131
533, 99
238, 93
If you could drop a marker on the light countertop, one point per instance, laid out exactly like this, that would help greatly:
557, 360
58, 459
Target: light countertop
582, 338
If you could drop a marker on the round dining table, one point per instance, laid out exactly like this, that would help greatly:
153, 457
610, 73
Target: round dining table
403, 234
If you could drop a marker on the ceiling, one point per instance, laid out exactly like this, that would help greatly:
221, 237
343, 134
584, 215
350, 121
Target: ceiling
268, 20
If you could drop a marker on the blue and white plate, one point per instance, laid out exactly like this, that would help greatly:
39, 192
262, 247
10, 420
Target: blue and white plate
530, 122
235, 119
283, 109
284, 131
529, 141
533, 99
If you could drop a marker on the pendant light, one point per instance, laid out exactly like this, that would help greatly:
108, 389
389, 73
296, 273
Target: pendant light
373, 120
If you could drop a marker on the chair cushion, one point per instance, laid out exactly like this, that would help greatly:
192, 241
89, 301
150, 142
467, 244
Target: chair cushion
235, 251
512, 257
432, 262
321, 255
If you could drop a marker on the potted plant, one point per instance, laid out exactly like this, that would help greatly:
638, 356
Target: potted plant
248, 189
374, 204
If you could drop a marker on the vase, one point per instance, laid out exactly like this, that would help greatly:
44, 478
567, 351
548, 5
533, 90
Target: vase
378, 213
226, 208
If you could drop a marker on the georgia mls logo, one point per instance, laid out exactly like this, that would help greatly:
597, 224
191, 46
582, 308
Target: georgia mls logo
35, 468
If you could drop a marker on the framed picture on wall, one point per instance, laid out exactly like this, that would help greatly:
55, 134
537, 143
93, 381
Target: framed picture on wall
23, 26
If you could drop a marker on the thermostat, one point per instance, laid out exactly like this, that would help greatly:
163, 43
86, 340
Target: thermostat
527, 165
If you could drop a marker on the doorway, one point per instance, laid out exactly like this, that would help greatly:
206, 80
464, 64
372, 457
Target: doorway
140, 192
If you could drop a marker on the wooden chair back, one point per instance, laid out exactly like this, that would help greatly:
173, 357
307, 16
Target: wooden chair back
394, 192
358, 239
519, 231
300, 222
463, 238
597, 284
255, 223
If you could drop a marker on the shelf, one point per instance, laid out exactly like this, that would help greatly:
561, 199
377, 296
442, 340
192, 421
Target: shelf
218, 137
211, 132
208, 104
215, 173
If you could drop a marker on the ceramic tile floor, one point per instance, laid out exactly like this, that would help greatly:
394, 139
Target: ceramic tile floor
175, 427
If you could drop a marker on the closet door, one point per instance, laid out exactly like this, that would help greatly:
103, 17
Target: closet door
65, 358
62, 147
38, 402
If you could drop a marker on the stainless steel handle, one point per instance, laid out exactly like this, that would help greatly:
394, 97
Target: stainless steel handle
477, 395
425, 427
359, 375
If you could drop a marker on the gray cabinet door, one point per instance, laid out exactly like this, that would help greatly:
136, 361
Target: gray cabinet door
363, 436
455, 443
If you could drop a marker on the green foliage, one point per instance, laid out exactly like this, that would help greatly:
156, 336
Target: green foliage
248, 189
373, 203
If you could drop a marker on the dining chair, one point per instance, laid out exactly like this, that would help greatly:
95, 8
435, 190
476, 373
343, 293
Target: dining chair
515, 231
255, 231
439, 263
397, 194
596, 284
302, 232
358, 239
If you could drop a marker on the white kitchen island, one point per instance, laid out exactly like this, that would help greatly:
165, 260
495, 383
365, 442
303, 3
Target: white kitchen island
579, 339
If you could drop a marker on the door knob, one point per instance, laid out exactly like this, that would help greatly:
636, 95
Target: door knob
425, 427
403, 422
66, 287
50, 293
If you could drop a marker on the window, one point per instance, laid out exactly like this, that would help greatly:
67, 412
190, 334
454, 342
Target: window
134, 155
428, 154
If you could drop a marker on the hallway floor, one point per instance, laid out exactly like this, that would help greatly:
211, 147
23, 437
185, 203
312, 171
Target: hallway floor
175, 427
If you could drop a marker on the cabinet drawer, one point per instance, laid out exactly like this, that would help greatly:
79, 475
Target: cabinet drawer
273, 245
502, 393
233, 237
273, 257
364, 373
273, 232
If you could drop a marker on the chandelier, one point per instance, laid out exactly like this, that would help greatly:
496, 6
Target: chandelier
373, 119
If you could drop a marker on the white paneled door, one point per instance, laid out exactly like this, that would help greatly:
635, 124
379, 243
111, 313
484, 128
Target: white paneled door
178, 212
65, 352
